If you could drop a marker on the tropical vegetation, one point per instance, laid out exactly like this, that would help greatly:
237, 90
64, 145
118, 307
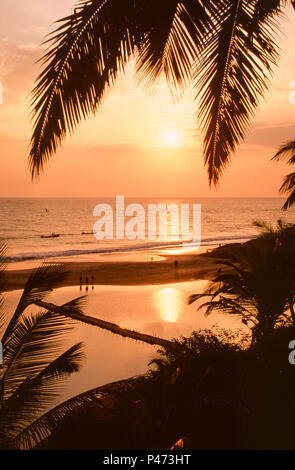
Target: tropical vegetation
34, 361
258, 286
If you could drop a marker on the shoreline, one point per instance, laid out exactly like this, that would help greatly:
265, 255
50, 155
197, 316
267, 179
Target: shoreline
171, 269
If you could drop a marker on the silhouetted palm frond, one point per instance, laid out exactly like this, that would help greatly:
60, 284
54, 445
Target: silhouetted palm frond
34, 360
264, 226
2, 270
288, 186
94, 44
31, 347
229, 47
84, 57
35, 394
42, 427
287, 152
41, 281
233, 74
172, 39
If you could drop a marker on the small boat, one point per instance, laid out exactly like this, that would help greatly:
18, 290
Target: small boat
86, 233
53, 235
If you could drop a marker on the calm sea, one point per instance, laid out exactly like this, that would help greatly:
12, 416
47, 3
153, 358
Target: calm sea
23, 221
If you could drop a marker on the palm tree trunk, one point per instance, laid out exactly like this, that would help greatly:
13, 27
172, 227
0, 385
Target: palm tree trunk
116, 329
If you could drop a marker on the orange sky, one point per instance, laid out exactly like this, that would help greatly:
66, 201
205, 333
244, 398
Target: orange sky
139, 145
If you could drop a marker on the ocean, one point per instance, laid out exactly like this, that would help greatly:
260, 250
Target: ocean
25, 220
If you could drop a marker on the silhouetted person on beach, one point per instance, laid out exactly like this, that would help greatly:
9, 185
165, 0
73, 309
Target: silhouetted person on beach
175, 267
92, 282
86, 282
81, 281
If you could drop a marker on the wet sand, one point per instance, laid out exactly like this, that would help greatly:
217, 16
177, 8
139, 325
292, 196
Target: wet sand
170, 269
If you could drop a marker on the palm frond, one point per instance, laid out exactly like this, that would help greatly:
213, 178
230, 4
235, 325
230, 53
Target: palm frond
231, 45
2, 263
232, 74
75, 306
263, 9
34, 395
2, 270
41, 429
31, 346
263, 226
173, 34
84, 57
41, 281
288, 186
286, 152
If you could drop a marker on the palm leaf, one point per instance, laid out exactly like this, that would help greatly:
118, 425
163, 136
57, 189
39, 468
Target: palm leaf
31, 346
41, 281
34, 395
233, 72
2, 269
33, 343
288, 186
39, 430
85, 56
173, 36
230, 44
287, 152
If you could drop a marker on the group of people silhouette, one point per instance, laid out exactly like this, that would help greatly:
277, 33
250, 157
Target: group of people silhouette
87, 284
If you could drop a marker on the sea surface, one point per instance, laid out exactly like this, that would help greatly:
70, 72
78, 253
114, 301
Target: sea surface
25, 220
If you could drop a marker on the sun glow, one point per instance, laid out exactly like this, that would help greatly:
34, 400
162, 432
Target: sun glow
171, 138
168, 303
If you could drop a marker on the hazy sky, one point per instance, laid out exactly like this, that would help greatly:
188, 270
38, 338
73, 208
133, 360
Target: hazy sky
138, 145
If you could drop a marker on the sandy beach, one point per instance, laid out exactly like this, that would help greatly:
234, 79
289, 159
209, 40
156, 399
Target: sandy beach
172, 268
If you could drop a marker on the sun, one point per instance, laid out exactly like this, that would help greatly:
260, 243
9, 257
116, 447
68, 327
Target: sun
171, 138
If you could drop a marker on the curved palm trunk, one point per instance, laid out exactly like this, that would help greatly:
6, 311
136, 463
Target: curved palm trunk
112, 327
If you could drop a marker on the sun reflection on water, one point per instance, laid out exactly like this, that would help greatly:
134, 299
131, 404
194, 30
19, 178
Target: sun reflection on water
168, 303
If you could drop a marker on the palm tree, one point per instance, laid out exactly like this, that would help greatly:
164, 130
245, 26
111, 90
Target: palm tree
228, 48
259, 287
287, 151
149, 411
33, 362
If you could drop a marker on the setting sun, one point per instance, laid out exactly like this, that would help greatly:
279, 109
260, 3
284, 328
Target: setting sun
171, 138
